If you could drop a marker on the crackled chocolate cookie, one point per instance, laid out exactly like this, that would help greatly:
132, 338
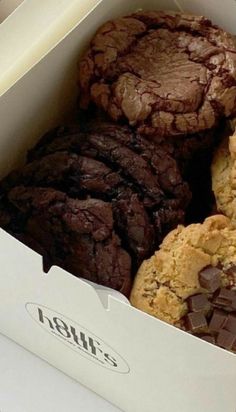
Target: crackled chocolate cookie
182, 149
166, 73
191, 281
139, 181
189, 151
146, 169
224, 177
77, 234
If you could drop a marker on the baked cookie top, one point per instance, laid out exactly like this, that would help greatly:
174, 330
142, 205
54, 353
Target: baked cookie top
224, 177
165, 281
77, 234
165, 72
135, 187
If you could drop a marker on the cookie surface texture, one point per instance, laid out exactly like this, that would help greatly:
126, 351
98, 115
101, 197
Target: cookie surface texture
165, 281
164, 72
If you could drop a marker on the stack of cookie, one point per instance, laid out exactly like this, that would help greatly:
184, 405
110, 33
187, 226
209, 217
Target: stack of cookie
98, 201
171, 77
98, 197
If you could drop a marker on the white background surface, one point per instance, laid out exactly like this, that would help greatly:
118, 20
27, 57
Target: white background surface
27, 384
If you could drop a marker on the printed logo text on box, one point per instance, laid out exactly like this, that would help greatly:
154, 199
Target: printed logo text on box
77, 338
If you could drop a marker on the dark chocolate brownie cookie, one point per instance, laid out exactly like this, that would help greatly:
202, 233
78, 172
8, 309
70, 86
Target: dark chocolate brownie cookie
146, 166
139, 180
78, 234
165, 72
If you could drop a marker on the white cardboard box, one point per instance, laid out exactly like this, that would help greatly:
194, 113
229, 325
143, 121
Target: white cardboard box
28, 384
130, 358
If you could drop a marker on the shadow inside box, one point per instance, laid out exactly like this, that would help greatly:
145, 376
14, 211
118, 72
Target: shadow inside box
198, 175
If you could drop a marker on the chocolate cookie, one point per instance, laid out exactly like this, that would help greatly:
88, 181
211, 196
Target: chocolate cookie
140, 181
147, 168
182, 158
191, 280
77, 234
166, 73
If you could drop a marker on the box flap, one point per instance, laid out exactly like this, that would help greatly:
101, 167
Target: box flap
32, 30
7, 7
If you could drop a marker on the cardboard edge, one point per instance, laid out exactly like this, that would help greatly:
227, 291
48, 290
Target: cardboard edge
39, 59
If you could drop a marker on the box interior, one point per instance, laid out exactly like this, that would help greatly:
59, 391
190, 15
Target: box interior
197, 375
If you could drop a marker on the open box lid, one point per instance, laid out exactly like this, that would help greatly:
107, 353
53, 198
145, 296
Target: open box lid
7, 7
32, 30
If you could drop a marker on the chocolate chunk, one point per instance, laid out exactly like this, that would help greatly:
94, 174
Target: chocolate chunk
199, 303
226, 339
224, 297
218, 320
230, 270
196, 322
208, 338
210, 278
231, 324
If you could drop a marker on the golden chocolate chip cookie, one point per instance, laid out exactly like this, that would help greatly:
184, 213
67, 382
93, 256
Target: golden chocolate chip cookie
224, 177
193, 261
